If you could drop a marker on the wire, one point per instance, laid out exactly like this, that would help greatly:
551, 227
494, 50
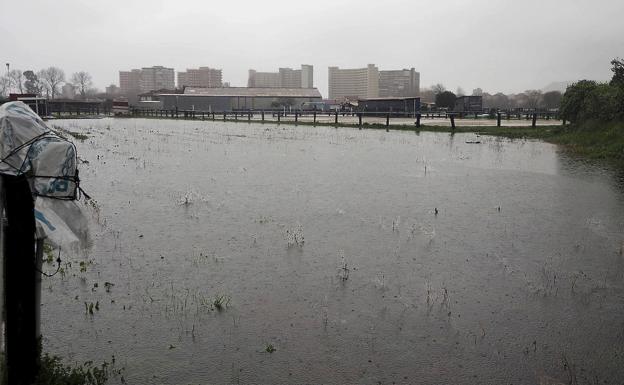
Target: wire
58, 267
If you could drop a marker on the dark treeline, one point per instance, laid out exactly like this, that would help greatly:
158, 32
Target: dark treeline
587, 100
530, 99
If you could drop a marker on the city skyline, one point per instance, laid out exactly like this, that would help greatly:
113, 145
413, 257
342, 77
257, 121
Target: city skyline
501, 51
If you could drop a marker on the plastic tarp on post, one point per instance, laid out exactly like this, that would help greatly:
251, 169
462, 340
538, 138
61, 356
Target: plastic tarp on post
28, 147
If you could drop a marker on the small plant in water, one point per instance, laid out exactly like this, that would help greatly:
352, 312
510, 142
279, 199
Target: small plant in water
270, 348
221, 302
294, 237
343, 270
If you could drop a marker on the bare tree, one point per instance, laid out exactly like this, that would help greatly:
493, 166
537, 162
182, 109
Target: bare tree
82, 81
51, 77
438, 88
533, 98
16, 79
5, 86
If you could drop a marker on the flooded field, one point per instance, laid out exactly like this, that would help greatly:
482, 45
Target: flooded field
232, 253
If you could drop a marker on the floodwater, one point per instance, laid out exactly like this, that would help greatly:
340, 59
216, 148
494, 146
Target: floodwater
361, 257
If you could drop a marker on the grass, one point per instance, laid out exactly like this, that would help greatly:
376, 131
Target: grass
52, 371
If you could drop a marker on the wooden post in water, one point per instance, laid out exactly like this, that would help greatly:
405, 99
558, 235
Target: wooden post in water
336, 118
534, 122
262, 116
248, 116
387, 120
452, 121
235, 116
224, 115
20, 281
360, 120
498, 119
279, 115
417, 120
296, 117
314, 117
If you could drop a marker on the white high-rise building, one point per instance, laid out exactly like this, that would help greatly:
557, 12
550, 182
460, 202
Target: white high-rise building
354, 83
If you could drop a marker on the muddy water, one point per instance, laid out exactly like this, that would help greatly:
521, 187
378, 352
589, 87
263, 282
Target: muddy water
327, 244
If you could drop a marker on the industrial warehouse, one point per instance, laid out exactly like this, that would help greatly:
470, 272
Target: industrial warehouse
238, 98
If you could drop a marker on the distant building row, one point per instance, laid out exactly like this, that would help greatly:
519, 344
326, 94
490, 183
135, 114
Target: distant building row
156, 78
285, 78
369, 82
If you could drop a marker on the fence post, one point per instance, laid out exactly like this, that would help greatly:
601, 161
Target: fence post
20, 281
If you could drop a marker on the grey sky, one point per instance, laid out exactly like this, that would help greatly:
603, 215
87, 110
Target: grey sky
498, 45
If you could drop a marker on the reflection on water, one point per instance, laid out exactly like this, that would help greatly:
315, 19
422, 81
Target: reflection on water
360, 256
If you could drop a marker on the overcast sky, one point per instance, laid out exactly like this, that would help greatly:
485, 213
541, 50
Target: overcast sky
498, 45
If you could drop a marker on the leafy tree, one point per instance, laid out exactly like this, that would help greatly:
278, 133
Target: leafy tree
32, 85
551, 99
573, 99
82, 81
51, 79
445, 99
618, 72
460, 91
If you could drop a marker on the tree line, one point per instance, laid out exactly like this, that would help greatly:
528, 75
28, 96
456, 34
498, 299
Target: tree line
532, 99
47, 81
588, 100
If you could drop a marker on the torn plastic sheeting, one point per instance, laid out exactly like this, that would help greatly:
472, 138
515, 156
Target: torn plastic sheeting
28, 147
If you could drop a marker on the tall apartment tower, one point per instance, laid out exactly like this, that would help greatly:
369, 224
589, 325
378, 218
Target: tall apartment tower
354, 83
129, 81
201, 77
285, 78
307, 76
156, 78
399, 83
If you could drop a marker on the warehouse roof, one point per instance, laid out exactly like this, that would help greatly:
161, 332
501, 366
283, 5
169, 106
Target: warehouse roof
253, 92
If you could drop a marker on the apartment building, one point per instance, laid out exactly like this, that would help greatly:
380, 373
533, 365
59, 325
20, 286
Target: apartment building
284, 78
146, 79
399, 83
201, 77
354, 83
